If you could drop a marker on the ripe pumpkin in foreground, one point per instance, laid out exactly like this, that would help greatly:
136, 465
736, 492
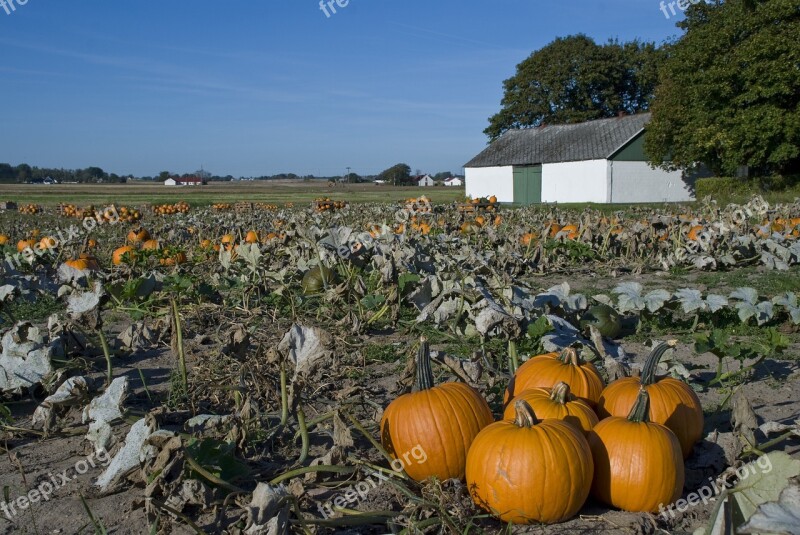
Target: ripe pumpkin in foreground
558, 403
673, 403
525, 470
544, 371
442, 420
638, 464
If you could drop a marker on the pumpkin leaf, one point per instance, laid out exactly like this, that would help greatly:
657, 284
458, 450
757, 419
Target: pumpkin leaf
745, 294
690, 299
716, 302
656, 299
630, 297
765, 481
782, 516
539, 328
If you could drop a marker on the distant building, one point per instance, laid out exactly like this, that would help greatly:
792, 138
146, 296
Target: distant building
186, 181
601, 161
454, 181
425, 180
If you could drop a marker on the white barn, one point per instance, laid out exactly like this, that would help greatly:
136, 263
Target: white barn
453, 181
600, 161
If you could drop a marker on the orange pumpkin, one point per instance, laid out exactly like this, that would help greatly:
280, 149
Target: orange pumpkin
694, 233
84, 263
25, 244
673, 403
174, 259
3, 239
138, 235
638, 464
151, 245
544, 371
529, 471
570, 231
46, 243
441, 420
558, 403
251, 237
121, 255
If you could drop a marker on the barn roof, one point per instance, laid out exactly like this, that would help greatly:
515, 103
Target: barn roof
592, 140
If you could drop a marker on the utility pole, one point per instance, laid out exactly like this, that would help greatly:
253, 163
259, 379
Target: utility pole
347, 176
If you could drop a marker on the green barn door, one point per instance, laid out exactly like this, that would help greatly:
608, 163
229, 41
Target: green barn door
528, 185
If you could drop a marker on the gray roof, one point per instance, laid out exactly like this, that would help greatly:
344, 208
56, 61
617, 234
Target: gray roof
592, 140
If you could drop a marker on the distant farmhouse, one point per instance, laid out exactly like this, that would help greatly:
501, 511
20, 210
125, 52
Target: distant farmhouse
185, 181
454, 181
424, 180
600, 161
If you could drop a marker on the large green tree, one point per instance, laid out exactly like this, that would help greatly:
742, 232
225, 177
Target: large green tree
573, 79
729, 92
398, 175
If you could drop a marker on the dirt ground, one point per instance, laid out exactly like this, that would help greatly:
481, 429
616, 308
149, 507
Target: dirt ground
773, 391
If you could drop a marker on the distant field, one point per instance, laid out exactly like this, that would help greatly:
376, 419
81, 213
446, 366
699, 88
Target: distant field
231, 192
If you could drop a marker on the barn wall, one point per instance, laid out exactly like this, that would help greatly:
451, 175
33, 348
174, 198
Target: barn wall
487, 181
585, 181
637, 182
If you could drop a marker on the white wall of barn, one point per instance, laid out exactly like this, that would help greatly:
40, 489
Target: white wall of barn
488, 181
584, 181
633, 182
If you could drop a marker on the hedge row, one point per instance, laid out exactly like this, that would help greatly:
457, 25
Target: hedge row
727, 187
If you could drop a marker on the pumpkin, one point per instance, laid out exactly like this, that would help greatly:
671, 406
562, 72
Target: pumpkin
694, 233
151, 245
3, 239
638, 464
526, 470
442, 420
558, 403
91, 243
607, 320
251, 237
316, 279
84, 263
121, 254
174, 259
673, 403
528, 238
48, 242
138, 235
544, 371
569, 231
25, 244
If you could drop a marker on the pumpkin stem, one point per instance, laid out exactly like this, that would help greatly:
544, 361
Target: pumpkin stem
525, 416
641, 408
570, 356
651, 365
560, 393
424, 379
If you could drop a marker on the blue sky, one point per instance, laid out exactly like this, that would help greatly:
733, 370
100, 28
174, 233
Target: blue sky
252, 87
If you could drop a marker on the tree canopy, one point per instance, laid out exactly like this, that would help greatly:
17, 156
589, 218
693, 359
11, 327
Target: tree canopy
729, 92
399, 174
573, 79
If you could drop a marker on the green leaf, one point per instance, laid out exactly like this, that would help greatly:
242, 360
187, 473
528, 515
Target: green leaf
539, 328
218, 458
405, 279
372, 301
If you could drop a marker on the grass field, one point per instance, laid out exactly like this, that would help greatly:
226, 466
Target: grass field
261, 191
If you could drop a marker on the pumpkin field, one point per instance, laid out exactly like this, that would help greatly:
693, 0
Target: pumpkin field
419, 366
